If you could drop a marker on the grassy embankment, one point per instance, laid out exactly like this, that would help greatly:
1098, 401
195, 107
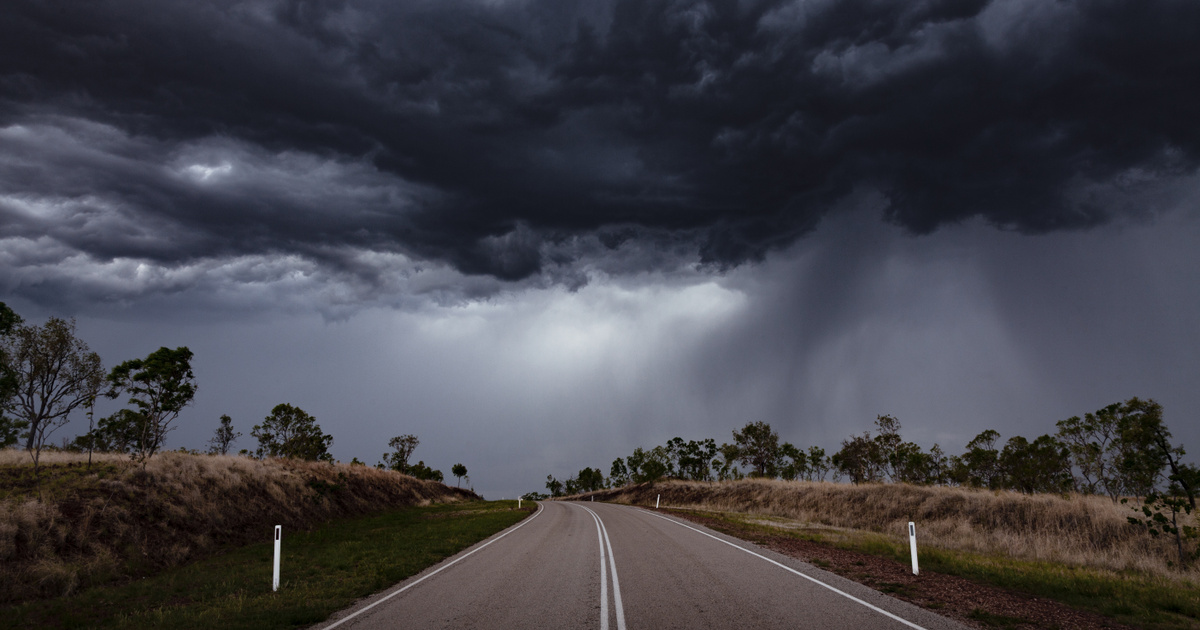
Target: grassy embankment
68, 540
1077, 550
324, 570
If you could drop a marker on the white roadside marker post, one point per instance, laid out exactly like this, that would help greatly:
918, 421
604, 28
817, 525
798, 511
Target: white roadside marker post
912, 544
518, 504
656, 500
275, 581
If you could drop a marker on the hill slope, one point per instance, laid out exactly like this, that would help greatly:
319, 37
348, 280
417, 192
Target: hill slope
116, 521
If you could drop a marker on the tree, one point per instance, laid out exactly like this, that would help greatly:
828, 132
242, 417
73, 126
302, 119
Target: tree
1043, 465
887, 445
758, 447
588, 480
795, 464
119, 433
980, 465
421, 471
224, 437
92, 387
910, 464
554, 486
290, 432
403, 447
694, 459
727, 465
1150, 452
860, 459
1146, 451
159, 386
460, 471
818, 464
10, 428
53, 371
939, 466
1155, 522
647, 465
1094, 444
618, 474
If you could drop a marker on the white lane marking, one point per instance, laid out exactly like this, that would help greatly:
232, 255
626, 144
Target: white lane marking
787, 568
612, 565
603, 577
456, 561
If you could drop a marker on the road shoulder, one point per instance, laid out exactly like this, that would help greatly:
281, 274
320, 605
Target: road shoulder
961, 599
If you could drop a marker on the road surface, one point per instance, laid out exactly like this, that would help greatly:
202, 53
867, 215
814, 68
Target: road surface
613, 567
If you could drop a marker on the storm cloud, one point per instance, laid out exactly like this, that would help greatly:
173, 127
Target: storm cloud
391, 145
540, 233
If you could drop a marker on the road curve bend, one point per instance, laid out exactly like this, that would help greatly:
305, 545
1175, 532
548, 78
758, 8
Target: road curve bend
602, 566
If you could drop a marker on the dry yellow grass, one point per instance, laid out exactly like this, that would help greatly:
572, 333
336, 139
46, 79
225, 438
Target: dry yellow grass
118, 521
1076, 530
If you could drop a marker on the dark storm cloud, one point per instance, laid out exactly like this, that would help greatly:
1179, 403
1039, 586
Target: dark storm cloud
512, 138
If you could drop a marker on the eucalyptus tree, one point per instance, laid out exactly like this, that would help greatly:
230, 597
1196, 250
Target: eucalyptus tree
795, 462
860, 459
980, 465
291, 432
618, 474
54, 373
159, 387
1043, 465
758, 447
1148, 453
694, 459
223, 437
819, 464
402, 449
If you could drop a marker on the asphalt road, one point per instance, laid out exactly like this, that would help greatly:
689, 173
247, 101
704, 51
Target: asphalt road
602, 566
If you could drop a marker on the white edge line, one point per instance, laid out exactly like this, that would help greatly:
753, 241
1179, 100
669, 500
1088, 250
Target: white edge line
439, 570
784, 566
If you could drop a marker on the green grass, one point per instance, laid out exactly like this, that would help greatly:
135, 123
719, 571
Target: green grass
323, 571
1136, 599
1132, 598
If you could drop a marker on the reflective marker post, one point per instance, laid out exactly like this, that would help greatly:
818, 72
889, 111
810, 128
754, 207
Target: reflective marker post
656, 500
912, 544
278, 534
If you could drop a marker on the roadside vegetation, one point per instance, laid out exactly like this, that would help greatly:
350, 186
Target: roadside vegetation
49, 375
70, 526
986, 589
112, 505
1120, 460
323, 570
1081, 531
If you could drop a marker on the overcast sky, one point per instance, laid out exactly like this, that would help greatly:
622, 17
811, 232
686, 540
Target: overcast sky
540, 233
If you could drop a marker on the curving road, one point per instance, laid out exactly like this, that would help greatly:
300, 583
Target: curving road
613, 567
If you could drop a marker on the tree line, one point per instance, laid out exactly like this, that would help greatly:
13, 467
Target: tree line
1122, 450
47, 374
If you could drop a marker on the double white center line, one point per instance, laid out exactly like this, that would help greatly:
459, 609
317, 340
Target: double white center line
606, 544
